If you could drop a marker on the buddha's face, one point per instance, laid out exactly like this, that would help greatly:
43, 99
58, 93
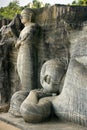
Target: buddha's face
51, 75
24, 18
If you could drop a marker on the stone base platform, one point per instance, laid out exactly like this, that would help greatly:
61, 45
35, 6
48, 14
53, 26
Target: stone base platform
52, 124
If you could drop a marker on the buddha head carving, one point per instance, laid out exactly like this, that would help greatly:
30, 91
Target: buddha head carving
51, 76
27, 15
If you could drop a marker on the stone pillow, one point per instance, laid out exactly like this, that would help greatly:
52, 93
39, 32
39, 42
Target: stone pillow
71, 104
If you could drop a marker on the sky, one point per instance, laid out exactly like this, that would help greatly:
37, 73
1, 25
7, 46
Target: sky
4, 3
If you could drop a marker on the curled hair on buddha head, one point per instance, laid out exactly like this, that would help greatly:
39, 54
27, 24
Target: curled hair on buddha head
30, 13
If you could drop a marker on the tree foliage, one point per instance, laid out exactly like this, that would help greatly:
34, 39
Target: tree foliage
80, 2
36, 4
11, 10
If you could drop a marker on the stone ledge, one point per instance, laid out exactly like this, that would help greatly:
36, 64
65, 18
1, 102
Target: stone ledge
52, 124
6, 126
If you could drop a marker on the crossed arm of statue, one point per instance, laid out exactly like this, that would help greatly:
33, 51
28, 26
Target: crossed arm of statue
21, 40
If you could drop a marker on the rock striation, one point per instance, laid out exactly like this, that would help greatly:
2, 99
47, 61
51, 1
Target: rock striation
62, 35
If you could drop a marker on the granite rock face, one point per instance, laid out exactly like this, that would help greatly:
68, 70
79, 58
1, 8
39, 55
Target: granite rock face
49, 44
9, 79
71, 104
62, 35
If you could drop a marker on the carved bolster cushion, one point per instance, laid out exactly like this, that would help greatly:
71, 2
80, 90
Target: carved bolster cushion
71, 104
34, 110
16, 102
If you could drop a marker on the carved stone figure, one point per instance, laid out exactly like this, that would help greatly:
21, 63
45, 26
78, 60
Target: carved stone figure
51, 76
37, 106
71, 104
26, 50
25, 60
63, 40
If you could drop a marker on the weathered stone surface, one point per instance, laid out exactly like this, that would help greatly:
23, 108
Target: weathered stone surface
37, 106
49, 45
52, 124
16, 101
51, 76
59, 24
4, 108
26, 57
25, 60
9, 79
33, 110
71, 104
